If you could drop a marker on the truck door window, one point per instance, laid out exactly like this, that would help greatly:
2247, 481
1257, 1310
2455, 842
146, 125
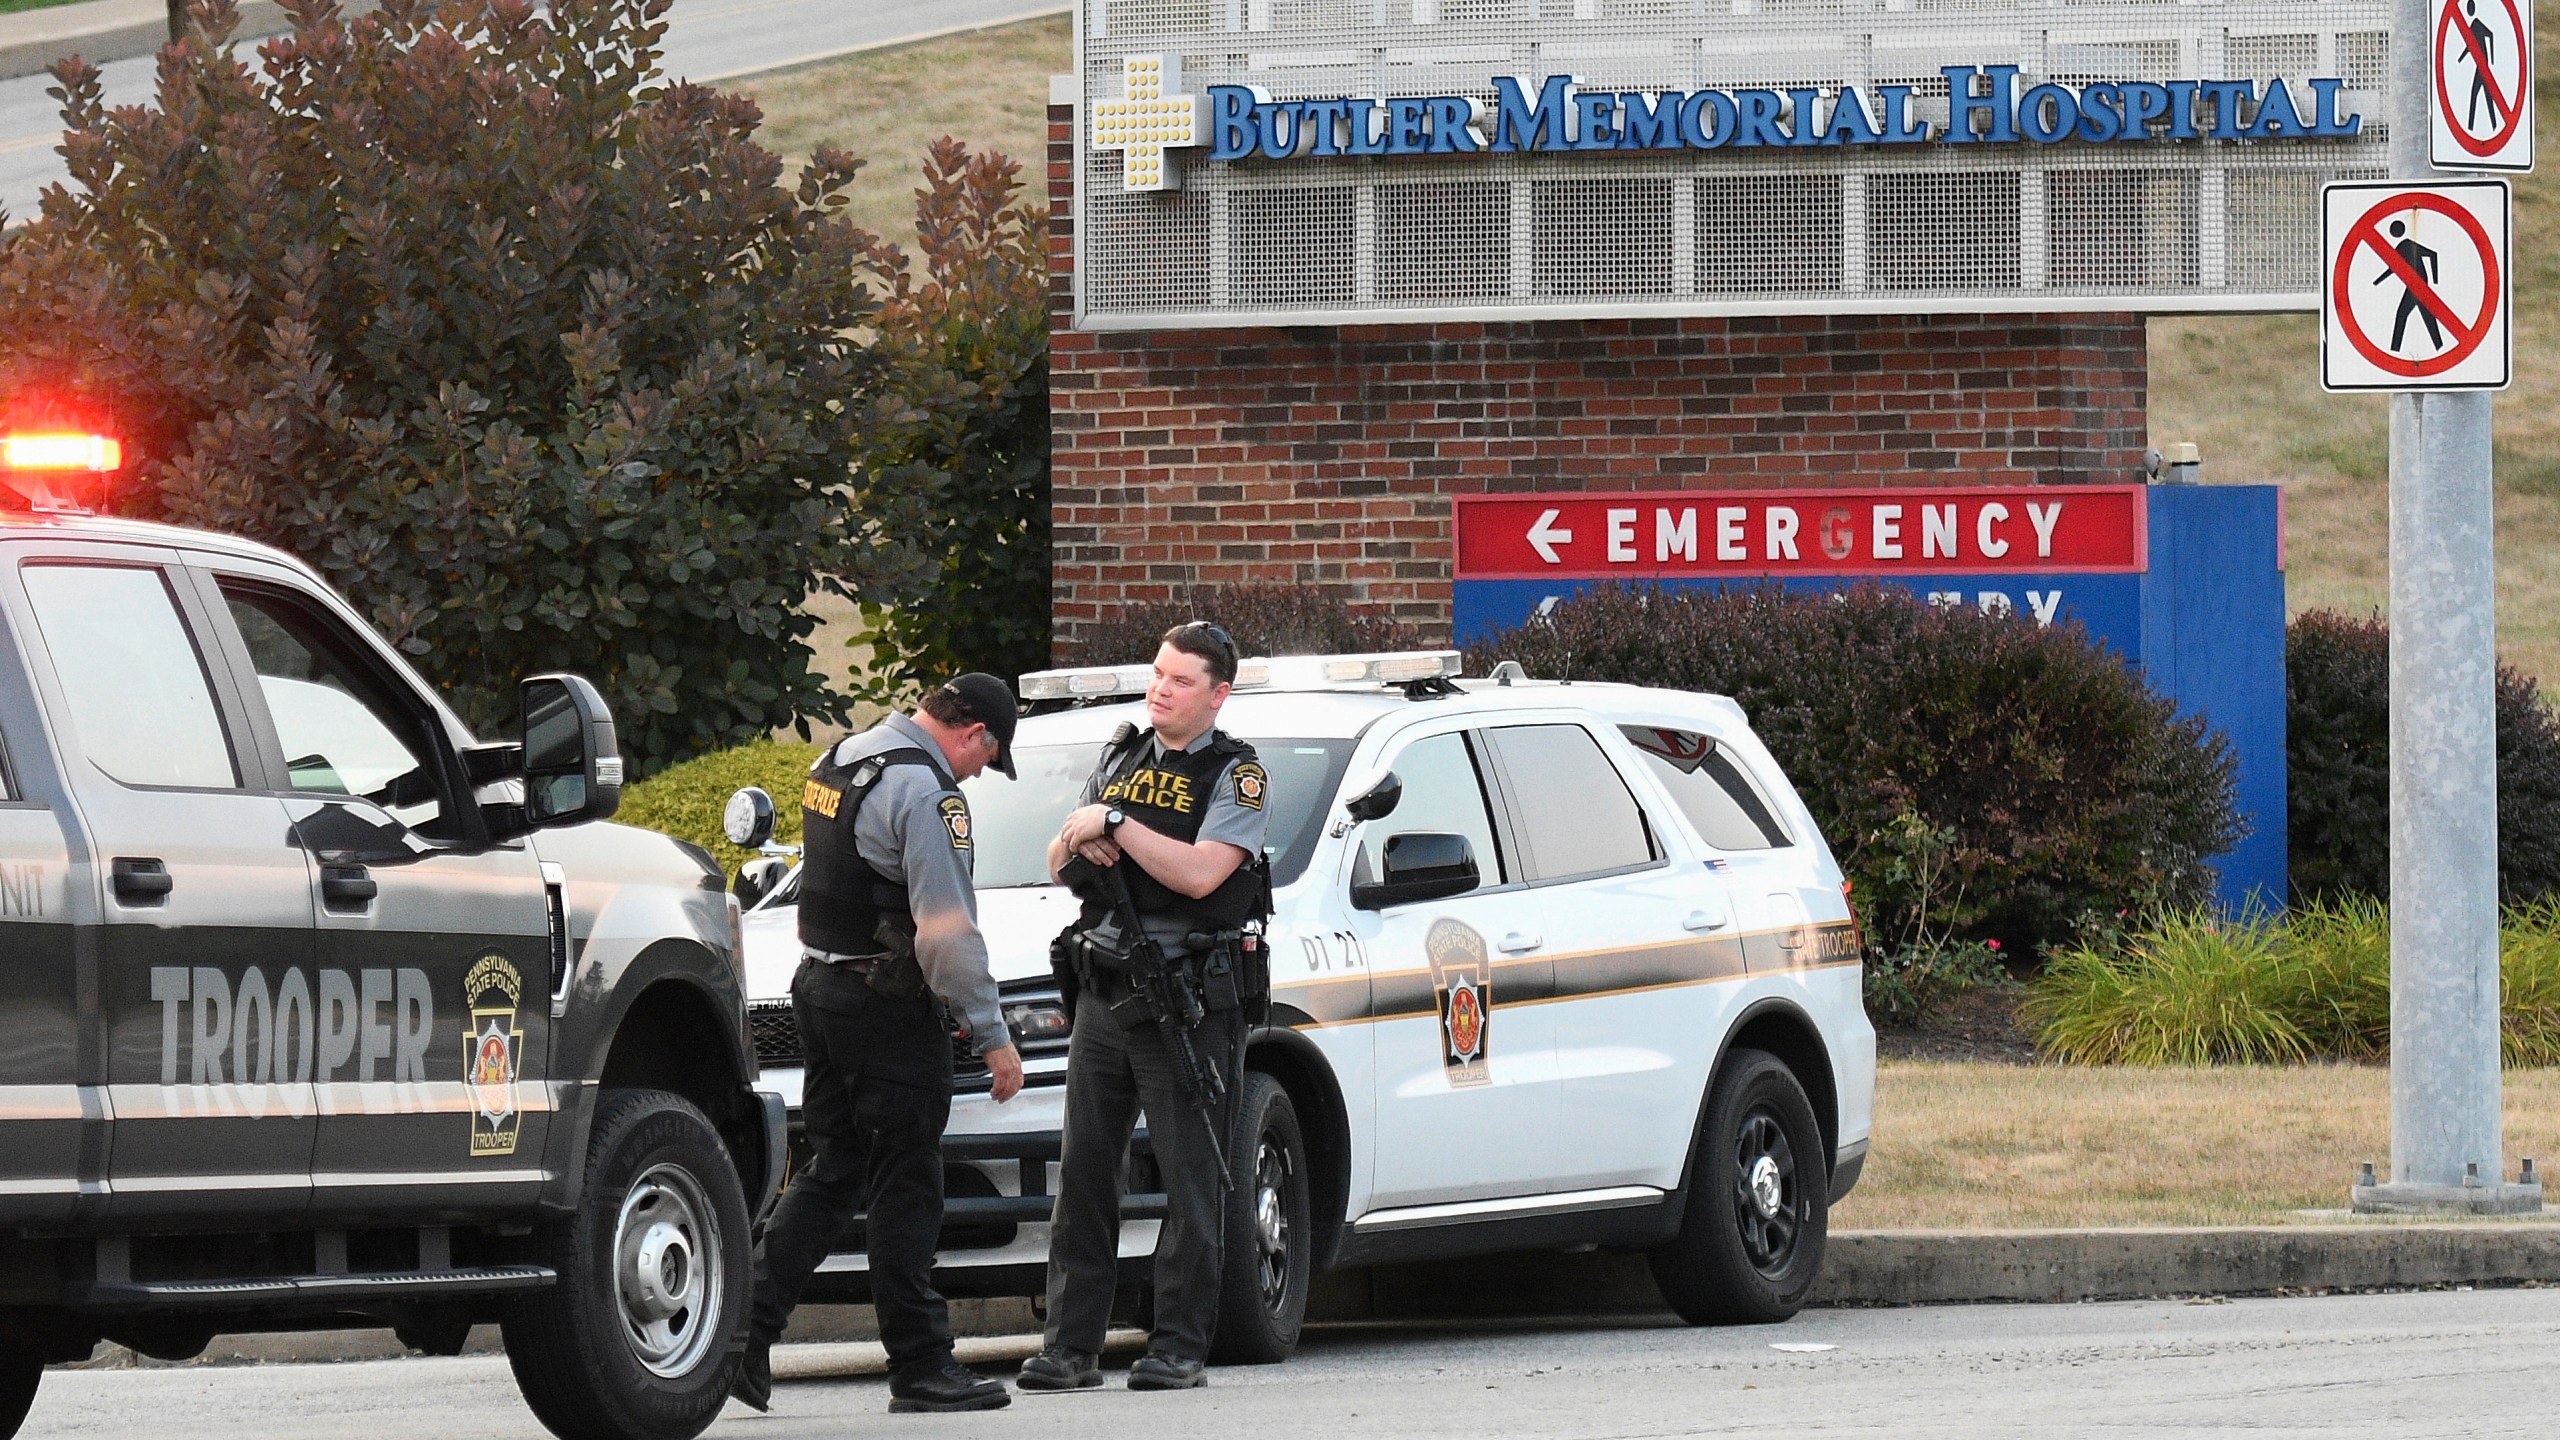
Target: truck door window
140, 702
1574, 813
1709, 788
1444, 793
343, 731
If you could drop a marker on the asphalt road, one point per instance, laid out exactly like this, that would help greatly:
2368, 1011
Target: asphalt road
2411, 1365
706, 40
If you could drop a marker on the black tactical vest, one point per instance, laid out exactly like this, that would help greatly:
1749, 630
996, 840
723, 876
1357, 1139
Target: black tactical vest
1169, 794
842, 899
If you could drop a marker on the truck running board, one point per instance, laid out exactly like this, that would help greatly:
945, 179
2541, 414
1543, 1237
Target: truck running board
310, 1289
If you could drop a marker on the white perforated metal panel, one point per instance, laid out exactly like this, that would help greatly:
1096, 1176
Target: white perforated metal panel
1670, 229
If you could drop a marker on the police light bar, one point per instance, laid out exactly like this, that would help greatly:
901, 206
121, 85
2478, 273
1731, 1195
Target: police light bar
94, 453
1087, 682
1394, 667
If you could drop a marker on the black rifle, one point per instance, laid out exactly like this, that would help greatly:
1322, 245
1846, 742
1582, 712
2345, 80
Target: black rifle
1157, 996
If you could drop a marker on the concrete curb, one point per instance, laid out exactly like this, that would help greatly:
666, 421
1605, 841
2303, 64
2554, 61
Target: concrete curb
1876, 1267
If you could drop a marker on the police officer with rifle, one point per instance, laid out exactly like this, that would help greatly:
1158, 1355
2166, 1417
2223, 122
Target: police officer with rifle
1166, 967
888, 925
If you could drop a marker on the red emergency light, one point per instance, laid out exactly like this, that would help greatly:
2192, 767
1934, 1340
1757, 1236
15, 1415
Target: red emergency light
41, 466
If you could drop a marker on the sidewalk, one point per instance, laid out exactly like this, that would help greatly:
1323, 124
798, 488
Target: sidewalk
1862, 1268
102, 30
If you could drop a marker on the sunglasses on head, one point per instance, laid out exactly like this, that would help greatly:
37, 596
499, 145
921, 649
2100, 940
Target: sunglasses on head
1213, 634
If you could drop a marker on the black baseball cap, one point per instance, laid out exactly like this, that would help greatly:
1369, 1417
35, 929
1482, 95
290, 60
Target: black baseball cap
990, 702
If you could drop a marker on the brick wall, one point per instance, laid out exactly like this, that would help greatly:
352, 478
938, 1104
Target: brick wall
1191, 457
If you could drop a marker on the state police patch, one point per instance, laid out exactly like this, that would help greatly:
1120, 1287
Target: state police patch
955, 818
1251, 785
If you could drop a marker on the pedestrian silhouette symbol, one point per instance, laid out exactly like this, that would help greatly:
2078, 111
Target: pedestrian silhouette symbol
2423, 261
2483, 52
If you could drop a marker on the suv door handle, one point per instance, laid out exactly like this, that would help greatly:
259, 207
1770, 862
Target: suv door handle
1517, 943
346, 887
139, 881
1705, 920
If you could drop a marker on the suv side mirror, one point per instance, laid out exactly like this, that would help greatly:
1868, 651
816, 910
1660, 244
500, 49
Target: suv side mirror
1420, 865
1378, 801
756, 880
572, 763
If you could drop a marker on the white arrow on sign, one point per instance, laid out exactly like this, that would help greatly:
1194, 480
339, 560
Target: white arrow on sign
1544, 537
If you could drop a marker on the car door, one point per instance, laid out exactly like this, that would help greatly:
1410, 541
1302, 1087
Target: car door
203, 956
1602, 883
1637, 1047
41, 1097
1466, 1100
434, 954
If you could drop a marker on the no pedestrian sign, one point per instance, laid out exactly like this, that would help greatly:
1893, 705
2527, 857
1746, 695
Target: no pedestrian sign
2415, 289
2481, 115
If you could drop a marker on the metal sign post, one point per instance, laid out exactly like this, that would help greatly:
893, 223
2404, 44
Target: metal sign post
2447, 1129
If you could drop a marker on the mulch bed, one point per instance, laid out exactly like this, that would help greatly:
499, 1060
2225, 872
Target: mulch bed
1980, 1025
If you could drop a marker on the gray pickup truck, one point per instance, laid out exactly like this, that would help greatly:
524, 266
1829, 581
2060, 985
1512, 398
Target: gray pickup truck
315, 1011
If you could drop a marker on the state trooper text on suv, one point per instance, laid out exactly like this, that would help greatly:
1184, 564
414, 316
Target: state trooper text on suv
1552, 964
316, 1011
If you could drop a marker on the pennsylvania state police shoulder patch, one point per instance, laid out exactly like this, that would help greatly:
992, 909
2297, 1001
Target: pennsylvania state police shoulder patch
955, 818
1251, 785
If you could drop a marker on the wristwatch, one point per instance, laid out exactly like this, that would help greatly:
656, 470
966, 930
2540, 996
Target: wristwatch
1111, 819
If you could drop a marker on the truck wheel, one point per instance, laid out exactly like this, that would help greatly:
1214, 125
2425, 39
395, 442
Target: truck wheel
638, 1339
1270, 1229
1750, 1241
20, 1371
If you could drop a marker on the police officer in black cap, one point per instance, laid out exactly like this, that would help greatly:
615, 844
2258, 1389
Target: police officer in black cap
888, 923
1177, 810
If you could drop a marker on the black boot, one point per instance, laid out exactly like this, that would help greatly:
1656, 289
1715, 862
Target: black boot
1059, 1368
1157, 1370
754, 1386
937, 1386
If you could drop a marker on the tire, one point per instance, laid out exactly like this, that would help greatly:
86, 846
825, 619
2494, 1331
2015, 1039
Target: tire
21, 1370
1270, 1230
601, 1360
1758, 1210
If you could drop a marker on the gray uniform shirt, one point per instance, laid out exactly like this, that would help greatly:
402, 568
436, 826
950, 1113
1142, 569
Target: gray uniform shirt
1228, 819
914, 830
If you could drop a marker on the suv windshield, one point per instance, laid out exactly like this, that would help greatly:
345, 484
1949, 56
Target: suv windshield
1013, 820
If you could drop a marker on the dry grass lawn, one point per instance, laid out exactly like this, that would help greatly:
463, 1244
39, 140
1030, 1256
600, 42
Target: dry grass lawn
2006, 1146
990, 88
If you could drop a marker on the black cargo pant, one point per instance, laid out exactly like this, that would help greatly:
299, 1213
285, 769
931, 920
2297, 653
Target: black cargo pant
875, 1094
1113, 1072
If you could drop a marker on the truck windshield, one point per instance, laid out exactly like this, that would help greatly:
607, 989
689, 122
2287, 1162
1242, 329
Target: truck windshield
1013, 820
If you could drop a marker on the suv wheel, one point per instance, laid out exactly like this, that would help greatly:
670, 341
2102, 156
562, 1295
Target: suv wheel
21, 1369
1750, 1241
638, 1338
1270, 1227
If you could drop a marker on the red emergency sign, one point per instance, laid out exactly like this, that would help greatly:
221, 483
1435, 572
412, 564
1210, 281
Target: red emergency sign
2004, 530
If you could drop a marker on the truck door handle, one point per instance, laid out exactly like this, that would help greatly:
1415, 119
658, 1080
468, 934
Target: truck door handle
346, 887
1704, 920
140, 882
1517, 943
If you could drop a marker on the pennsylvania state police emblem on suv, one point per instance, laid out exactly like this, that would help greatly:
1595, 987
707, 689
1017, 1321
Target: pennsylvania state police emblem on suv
493, 990
1462, 973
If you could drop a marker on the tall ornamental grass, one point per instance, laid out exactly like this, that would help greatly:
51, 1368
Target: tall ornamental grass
2192, 988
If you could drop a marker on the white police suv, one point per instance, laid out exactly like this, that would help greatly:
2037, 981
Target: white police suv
1552, 964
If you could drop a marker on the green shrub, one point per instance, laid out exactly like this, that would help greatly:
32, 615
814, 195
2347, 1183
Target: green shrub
2190, 989
685, 800
2337, 684
954, 450
2068, 788
1261, 619
535, 356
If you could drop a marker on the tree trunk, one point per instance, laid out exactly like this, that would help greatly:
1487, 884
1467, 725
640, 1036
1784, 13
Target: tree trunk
177, 20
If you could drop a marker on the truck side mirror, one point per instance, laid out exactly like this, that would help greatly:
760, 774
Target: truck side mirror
1378, 801
1420, 865
572, 763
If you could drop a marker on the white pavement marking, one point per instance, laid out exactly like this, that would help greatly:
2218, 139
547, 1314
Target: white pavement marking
709, 40
2431, 1364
